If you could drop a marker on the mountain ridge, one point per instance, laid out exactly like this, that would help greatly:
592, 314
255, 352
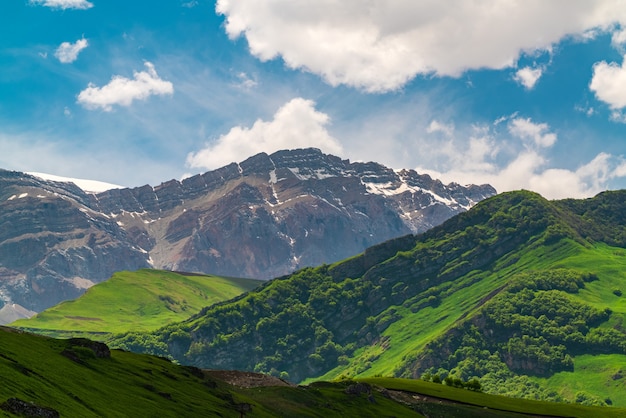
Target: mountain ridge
262, 218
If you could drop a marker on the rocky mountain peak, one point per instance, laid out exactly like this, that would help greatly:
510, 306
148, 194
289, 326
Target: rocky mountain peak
260, 218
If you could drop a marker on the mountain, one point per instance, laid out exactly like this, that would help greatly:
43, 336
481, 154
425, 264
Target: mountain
44, 377
142, 300
12, 312
54, 243
521, 292
261, 218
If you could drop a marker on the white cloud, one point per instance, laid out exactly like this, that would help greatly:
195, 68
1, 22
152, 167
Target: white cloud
436, 126
245, 82
538, 132
518, 163
528, 76
297, 124
618, 40
609, 83
620, 170
68, 52
64, 4
617, 116
380, 45
586, 109
123, 91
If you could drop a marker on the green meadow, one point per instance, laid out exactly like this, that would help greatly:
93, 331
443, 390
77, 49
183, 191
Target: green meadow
141, 300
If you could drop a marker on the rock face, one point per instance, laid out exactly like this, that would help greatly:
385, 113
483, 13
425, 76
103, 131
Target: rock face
261, 218
54, 244
28, 409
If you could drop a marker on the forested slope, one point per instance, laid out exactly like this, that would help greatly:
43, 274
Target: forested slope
528, 284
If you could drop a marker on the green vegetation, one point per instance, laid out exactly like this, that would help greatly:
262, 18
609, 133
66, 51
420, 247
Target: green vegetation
142, 300
535, 328
79, 378
492, 404
77, 382
515, 293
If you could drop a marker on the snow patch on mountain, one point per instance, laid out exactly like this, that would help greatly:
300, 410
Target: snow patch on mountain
89, 186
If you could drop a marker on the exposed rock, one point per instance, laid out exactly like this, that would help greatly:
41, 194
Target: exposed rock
53, 245
100, 350
262, 218
359, 388
28, 409
246, 379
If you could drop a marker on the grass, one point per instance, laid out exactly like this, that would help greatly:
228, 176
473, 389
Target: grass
604, 373
493, 402
414, 330
594, 374
124, 385
128, 384
136, 385
143, 300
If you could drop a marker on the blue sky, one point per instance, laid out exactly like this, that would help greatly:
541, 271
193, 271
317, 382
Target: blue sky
519, 94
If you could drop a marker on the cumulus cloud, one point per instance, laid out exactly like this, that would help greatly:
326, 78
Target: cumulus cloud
297, 124
528, 76
68, 52
538, 132
609, 83
380, 45
123, 91
520, 162
64, 4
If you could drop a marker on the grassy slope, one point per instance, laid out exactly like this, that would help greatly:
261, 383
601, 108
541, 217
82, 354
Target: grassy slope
412, 331
493, 402
594, 374
134, 385
129, 384
598, 374
143, 300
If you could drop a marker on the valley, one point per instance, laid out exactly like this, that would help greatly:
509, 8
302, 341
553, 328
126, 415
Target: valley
433, 304
270, 208
518, 296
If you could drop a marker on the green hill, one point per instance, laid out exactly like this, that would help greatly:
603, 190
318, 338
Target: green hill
520, 292
142, 300
79, 378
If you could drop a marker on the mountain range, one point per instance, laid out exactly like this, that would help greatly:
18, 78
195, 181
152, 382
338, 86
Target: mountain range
522, 293
264, 217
